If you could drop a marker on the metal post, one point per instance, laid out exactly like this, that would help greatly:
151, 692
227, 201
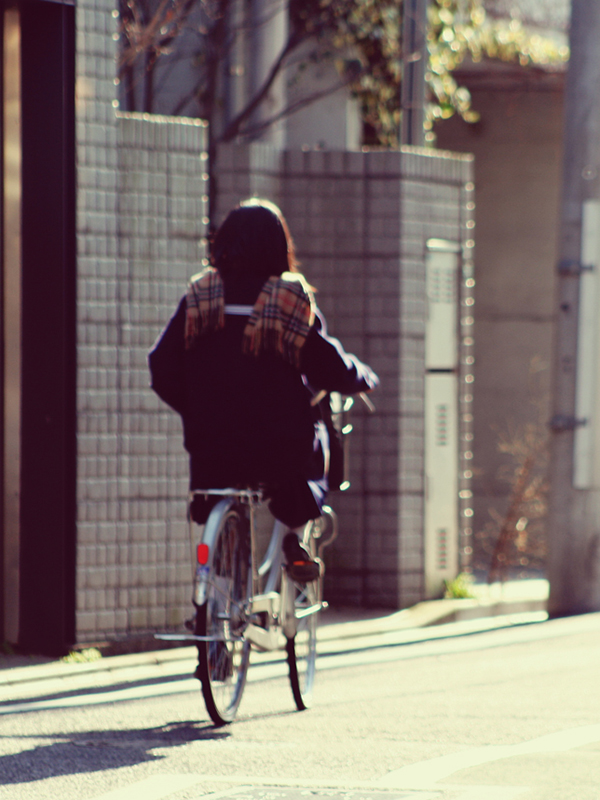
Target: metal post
414, 58
574, 521
10, 335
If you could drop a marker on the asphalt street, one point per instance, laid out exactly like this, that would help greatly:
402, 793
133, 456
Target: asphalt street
455, 712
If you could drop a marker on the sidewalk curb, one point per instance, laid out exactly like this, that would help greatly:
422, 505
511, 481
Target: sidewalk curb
420, 616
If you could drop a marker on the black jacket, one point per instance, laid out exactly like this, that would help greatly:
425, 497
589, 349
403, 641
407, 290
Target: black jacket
248, 419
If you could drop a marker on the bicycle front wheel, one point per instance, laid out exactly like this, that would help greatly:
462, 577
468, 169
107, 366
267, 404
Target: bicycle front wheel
224, 658
302, 648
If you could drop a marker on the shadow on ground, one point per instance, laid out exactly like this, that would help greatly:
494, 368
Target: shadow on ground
93, 751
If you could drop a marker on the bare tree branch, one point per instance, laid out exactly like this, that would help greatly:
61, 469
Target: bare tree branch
298, 105
233, 128
163, 28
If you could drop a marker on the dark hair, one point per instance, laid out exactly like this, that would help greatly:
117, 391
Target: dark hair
254, 239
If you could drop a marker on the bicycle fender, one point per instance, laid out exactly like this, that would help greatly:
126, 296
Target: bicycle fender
209, 536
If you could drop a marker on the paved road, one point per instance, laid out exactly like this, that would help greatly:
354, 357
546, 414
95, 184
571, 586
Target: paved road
496, 715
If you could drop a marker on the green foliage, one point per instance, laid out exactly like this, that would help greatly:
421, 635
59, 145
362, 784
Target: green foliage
459, 29
82, 656
460, 588
367, 32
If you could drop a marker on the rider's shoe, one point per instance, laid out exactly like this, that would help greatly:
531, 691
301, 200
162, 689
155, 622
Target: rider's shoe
300, 565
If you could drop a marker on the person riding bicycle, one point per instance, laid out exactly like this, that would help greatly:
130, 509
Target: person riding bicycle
241, 360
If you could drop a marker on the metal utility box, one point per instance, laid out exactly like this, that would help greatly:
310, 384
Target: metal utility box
442, 268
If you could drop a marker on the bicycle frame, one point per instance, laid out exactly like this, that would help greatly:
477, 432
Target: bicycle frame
276, 605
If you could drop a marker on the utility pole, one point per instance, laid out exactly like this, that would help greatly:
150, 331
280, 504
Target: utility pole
414, 66
574, 512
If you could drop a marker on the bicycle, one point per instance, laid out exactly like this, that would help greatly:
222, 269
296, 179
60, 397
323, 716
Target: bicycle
240, 603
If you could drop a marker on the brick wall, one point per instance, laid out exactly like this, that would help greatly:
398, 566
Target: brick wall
360, 222
243, 172
436, 202
141, 219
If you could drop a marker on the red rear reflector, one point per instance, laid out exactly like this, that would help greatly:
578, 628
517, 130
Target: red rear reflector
202, 554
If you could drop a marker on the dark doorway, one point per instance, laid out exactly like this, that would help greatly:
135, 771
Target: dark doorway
40, 529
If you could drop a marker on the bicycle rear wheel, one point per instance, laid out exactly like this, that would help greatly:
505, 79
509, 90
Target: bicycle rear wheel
223, 661
302, 648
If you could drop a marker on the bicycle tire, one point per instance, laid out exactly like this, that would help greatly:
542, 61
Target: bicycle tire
302, 647
223, 663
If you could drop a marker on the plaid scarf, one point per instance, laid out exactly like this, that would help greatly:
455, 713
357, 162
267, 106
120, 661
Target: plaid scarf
205, 305
280, 321
281, 318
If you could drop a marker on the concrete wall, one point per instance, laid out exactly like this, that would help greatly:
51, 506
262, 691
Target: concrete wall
518, 149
